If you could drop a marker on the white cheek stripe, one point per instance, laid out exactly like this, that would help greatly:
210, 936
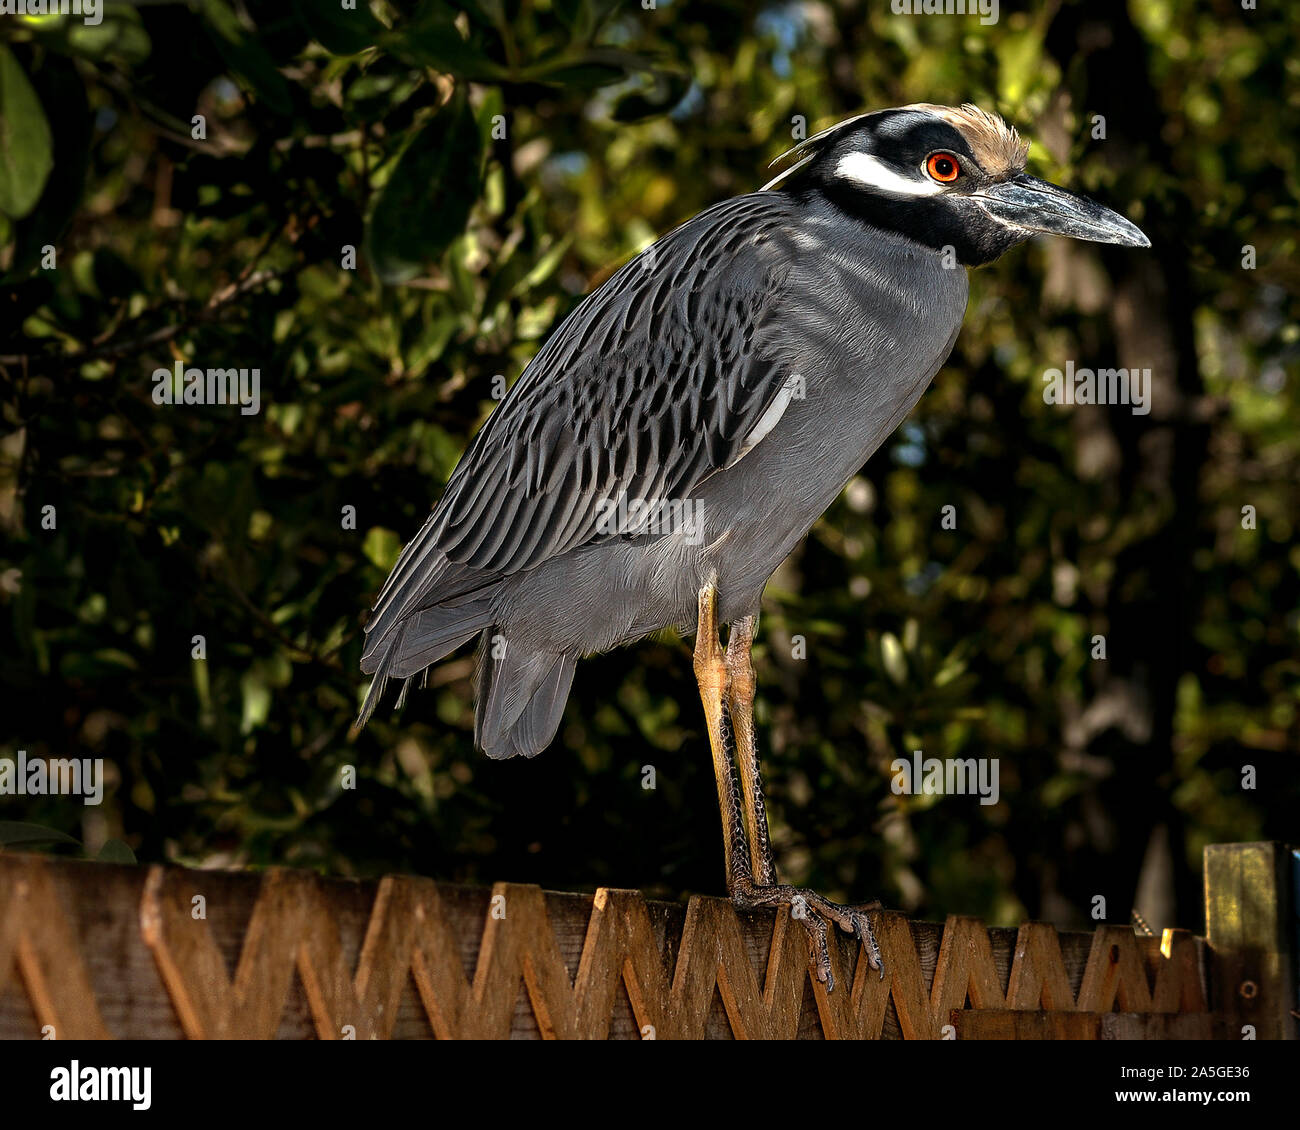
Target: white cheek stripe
871, 172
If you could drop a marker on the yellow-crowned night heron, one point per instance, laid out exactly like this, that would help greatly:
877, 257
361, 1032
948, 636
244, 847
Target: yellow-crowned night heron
732, 378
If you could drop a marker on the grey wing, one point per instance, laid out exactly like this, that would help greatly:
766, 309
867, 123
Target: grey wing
654, 382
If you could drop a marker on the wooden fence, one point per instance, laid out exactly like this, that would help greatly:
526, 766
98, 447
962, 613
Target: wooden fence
91, 950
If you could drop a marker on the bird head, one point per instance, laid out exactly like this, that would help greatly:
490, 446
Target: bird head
945, 176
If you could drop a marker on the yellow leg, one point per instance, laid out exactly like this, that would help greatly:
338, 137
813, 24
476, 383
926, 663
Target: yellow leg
730, 676
751, 870
711, 675
740, 703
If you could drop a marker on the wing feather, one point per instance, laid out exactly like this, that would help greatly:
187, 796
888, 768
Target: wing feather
652, 384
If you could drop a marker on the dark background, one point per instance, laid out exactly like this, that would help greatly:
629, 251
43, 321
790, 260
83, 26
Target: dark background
373, 129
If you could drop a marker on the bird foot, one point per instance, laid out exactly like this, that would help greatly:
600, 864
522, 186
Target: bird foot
815, 911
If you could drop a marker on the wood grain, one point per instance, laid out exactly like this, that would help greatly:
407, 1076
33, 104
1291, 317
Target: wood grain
101, 951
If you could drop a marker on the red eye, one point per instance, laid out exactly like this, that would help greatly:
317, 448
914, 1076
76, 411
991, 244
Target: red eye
943, 167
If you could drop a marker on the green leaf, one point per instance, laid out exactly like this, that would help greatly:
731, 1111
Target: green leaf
661, 94
26, 148
16, 832
256, 697
597, 66
585, 74
119, 33
245, 56
427, 200
382, 547
433, 40
545, 267
115, 851
57, 83
585, 17
491, 13
891, 655
341, 31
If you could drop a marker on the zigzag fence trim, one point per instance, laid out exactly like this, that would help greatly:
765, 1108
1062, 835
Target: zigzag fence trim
99, 951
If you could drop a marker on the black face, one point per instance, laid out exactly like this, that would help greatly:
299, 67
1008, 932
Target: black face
912, 172
905, 138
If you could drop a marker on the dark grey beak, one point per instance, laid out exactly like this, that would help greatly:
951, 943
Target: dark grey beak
1037, 206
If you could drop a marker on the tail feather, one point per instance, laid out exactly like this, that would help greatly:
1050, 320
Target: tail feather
541, 717
431, 634
423, 577
415, 643
373, 695
520, 699
514, 677
429, 607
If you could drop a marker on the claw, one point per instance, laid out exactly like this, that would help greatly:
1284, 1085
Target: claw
817, 943
867, 937
815, 912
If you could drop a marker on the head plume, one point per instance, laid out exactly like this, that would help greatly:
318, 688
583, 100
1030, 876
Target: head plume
996, 145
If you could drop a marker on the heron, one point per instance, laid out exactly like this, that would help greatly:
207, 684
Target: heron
734, 376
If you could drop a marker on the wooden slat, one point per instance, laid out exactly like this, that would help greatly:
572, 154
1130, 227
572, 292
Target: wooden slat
39, 945
1038, 975
965, 970
1116, 973
1004, 1024
1250, 917
99, 950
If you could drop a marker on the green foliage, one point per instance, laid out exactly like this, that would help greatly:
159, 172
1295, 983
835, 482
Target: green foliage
426, 201
331, 132
25, 152
24, 837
